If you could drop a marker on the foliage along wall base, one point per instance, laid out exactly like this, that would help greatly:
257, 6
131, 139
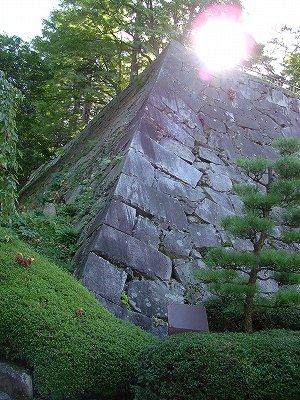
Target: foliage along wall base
151, 177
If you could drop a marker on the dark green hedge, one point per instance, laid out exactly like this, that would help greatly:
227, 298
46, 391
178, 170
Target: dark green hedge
224, 317
222, 366
50, 322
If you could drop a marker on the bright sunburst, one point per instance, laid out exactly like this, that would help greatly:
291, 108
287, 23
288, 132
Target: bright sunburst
219, 38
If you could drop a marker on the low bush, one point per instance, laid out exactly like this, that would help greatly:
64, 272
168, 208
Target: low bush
223, 316
51, 323
222, 366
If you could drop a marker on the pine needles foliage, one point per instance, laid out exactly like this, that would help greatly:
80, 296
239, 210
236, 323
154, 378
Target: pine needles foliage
271, 200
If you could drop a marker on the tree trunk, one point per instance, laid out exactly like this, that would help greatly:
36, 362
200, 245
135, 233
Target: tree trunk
134, 69
248, 305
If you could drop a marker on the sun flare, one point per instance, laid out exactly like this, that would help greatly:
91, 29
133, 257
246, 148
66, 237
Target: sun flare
220, 40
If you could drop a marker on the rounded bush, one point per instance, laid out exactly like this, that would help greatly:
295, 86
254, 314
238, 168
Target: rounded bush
222, 366
51, 323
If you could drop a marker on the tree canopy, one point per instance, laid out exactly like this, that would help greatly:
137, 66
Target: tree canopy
88, 52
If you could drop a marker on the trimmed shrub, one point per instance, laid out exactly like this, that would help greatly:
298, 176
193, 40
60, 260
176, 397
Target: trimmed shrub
51, 323
222, 366
223, 316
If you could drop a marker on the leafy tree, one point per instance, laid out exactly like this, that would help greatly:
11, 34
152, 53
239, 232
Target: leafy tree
271, 199
26, 71
292, 68
89, 51
95, 48
9, 97
287, 46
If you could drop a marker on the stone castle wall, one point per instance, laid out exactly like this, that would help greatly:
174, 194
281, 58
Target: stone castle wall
163, 199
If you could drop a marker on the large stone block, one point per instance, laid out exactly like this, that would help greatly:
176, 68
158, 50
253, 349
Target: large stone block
120, 216
146, 231
133, 253
150, 201
15, 382
116, 214
220, 198
152, 298
211, 212
212, 123
175, 147
209, 155
184, 273
153, 325
178, 189
204, 235
103, 278
137, 165
223, 144
167, 127
178, 243
165, 160
221, 183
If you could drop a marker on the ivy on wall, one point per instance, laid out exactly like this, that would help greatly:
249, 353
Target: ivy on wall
9, 153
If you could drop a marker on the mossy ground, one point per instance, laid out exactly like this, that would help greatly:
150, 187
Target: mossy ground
51, 323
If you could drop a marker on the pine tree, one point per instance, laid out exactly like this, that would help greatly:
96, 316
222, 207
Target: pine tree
271, 199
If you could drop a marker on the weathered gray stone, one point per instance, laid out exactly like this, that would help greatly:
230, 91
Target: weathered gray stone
184, 269
146, 231
212, 112
150, 200
212, 123
152, 298
279, 98
245, 121
240, 244
221, 199
178, 149
103, 278
237, 203
223, 143
137, 165
184, 273
116, 214
221, 183
220, 169
204, 235
165, 160
178, 189
132, 252
49, 210
211, 212
166, 97
209, 155
248, 148
120, 216
4, 396
267, 285
178, 243
153, 325
186, 114
15, 382
167, 127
